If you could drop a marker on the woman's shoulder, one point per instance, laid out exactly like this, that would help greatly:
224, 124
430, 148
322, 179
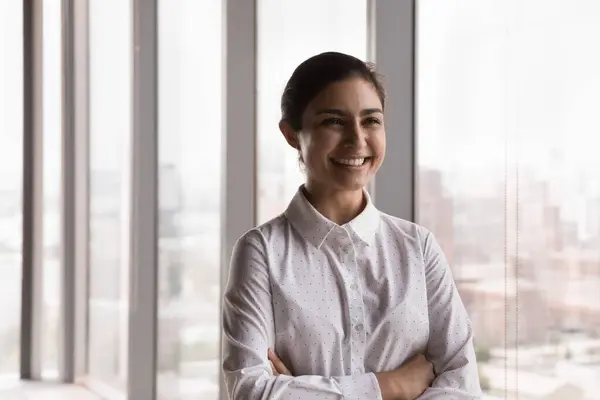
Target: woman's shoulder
264, 233
404, 228
413, 236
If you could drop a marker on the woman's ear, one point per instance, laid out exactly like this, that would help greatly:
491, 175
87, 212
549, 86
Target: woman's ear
289, 134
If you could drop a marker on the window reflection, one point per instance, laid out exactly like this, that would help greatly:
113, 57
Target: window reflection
190, 131
11, 170
52, 155
288, 33
110, 158
509, 182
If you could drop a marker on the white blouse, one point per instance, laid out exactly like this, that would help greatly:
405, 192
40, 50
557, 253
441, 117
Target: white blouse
338, 303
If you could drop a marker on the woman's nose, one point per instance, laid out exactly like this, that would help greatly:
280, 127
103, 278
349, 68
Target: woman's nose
355, 133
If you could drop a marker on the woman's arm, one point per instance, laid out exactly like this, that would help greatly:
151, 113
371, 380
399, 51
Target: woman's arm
248, 332
450, 346
405, 383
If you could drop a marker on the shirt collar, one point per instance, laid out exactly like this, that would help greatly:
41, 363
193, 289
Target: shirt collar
315, 228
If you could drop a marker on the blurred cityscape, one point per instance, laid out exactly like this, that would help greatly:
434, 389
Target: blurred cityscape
530, 280
533, 293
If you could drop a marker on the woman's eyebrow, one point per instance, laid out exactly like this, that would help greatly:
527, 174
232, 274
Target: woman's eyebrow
369, 111
337, 111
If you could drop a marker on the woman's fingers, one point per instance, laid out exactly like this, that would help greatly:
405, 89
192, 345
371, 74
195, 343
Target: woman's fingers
278, 364
275, 372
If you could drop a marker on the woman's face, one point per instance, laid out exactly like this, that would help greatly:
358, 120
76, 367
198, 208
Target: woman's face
342, 141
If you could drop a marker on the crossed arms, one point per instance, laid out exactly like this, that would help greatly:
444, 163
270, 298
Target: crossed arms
248, 333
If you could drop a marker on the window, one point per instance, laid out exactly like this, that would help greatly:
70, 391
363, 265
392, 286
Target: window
52, 187
289, 32
190, 132
11, 171
110, 47
509, 181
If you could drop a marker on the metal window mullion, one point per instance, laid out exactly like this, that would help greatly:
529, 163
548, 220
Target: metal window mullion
238, 194
29, 62
32, 228
66, 347
371, 26
81, 164
144, 204
394, 55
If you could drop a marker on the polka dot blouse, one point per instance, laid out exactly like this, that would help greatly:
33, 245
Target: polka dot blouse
339, 303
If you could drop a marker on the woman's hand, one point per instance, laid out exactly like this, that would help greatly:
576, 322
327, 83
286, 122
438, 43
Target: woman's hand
277, 365
407, 382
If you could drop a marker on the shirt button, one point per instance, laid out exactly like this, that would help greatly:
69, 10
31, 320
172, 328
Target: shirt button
359, 327
354, 286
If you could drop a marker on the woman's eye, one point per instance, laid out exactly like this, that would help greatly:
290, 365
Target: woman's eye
372, 121
333, 121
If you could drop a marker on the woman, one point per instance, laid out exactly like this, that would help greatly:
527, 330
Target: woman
355, 303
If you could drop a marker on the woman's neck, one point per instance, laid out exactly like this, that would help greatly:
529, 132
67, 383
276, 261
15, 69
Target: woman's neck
339, 206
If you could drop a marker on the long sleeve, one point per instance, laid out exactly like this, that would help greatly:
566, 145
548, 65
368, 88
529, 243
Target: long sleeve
450, 346
248, 332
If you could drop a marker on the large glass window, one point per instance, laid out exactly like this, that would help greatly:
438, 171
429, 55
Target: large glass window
190, 125
110, 51
52, 161
509, 181
288, 33
11, 171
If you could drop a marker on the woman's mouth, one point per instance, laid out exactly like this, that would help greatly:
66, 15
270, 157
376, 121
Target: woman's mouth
351, 162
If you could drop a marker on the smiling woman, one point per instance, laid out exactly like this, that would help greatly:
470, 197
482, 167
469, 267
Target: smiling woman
355, 303
339, 132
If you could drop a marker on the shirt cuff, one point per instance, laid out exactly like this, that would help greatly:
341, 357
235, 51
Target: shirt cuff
360, 387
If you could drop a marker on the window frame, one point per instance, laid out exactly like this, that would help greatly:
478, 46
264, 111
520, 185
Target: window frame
143, 289
32, 100
73, 208
394, 55
239, 194
394, 50
80, 122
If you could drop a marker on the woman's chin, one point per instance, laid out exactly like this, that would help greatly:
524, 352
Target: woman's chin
349, 184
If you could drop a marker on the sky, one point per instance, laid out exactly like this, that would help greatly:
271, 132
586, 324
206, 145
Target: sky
497, 81
11, 94
508, 76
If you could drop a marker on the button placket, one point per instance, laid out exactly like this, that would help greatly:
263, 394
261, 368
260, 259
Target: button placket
357, 327
358, 347
348, 259
347, 254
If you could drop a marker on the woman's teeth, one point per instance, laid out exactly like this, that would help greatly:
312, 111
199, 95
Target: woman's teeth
351, 161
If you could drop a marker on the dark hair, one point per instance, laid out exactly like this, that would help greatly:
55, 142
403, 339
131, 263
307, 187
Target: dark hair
314, 74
